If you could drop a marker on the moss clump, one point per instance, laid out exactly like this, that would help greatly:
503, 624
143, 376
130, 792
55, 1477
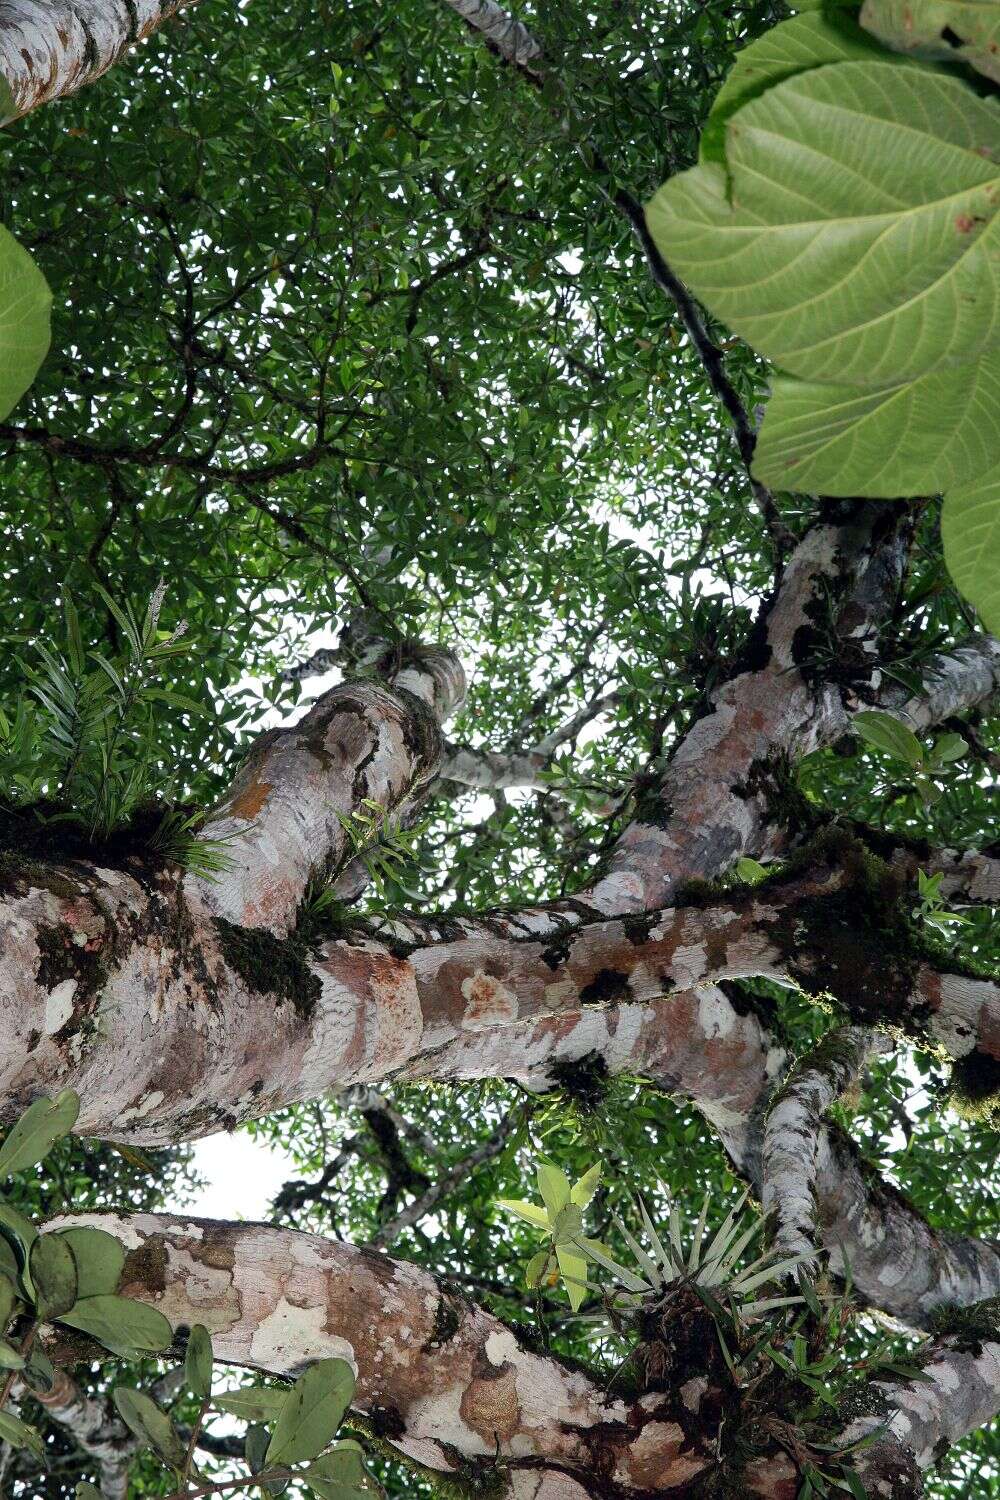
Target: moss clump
270, 965
974, 1088
584, 1081
968, 1327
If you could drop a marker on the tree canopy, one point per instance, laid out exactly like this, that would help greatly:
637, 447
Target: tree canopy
358, 335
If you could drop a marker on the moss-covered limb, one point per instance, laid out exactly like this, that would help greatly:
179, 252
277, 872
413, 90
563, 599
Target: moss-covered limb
974, 1088
791, 1132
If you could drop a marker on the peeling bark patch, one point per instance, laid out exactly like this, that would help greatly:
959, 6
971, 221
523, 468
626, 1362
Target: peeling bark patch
270, 966
490, 1404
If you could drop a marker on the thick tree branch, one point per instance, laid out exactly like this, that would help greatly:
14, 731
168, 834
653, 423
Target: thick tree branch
283, 820
50, 48
440, 1375
792, 1128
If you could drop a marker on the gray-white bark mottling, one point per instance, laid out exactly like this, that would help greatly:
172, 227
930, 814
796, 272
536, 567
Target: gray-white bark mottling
445, 1376
283, 820
510, 37
49, 48
721, 779
955, 681
96, 1429
792, 1128
960, 1392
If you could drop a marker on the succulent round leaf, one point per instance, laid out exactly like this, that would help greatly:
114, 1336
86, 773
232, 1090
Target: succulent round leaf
259, 1404
151, 1425
46, 1120
970, 532
855, 240
125, 1327
100, 1259
312, 1412
54, 1275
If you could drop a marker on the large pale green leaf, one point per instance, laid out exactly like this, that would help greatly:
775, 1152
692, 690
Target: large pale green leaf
793, 46
25, 302
860, 244
932, 433
574, 1274
957, 30
46, 1120
120, 1324
970, 531
553, 1188
530, 1212
312, 1412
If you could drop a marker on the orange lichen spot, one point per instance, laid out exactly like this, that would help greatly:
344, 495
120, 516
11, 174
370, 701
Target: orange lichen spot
251, 799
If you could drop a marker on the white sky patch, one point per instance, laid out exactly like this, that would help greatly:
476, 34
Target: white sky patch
242, 1176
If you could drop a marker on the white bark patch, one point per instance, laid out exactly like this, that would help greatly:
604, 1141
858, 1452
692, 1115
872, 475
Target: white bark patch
59, 1006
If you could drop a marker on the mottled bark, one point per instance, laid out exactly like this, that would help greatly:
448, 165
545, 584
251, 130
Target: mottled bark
508, 36
720, 795
171, 1023
49, 48
440, 1376
96, 1429
792, 1128
359, 745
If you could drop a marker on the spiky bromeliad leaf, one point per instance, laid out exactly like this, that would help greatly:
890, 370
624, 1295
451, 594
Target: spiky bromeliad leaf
25, 303
953, 30
970, 531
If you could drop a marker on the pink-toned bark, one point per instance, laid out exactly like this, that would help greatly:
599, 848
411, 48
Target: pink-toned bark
362, 747
439, 1374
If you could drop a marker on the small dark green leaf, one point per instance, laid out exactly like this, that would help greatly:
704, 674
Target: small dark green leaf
99, 1260
8, 1296
853, 1480
36, 1132
19, 1434
151, 1425
255, 1446
10, 1359
121, 1325
53, 1272
259, 1405
339, 1474
312, 1412
198, 1362
39, 1370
